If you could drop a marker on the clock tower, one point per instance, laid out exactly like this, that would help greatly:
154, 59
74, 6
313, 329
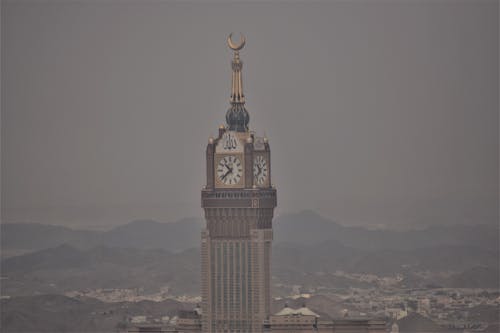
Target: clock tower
239, 201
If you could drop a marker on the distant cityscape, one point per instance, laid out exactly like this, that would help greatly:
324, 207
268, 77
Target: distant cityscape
127, 287
447, 308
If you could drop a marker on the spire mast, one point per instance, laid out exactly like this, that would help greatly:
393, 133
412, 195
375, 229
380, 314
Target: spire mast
237, 95
237, 116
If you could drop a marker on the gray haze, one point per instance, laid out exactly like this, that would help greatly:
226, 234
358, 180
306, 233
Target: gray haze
378, 113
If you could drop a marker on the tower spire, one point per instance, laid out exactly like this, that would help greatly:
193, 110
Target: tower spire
237, 117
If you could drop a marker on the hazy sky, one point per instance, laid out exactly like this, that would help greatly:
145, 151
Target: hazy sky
377, 112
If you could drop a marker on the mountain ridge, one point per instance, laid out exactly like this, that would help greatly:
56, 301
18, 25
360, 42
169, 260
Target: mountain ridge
306, 227
65, 268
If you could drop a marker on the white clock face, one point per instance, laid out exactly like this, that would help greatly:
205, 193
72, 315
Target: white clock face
260, 170
229, 170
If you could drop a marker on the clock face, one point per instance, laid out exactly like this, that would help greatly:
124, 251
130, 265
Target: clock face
229, 170
260, 170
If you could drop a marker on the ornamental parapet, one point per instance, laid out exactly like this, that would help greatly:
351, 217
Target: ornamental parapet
239, 198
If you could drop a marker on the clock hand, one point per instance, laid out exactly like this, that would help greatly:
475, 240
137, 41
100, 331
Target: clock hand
229, 170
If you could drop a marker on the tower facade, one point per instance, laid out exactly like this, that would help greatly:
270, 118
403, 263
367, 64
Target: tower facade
238, 200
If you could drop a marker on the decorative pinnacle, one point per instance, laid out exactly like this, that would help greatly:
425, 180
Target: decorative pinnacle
235, 47
237, 117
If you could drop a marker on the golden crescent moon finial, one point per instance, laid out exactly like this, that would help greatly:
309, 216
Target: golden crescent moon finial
236, 47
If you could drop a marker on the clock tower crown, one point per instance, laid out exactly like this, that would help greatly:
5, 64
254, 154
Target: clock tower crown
237, 158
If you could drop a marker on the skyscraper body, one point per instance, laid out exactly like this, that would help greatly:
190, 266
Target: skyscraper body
239, 201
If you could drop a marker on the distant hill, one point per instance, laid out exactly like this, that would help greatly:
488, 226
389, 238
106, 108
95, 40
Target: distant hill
476, 277
57, 313
33, 236
308, 228
307, 250
304, 228
148, 234
332, 255
143, 234
65, 268
61, 257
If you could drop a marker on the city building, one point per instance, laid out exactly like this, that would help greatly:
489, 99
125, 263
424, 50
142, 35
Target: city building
238, 200
304, 320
